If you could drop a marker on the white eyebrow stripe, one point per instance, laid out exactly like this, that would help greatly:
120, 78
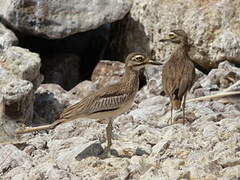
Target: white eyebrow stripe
138, 56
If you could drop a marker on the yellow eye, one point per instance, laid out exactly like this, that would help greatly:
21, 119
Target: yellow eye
138, 58
171, 36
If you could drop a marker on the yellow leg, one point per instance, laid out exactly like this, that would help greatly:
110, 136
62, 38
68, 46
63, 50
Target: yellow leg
183, 106
170, 121
109, 135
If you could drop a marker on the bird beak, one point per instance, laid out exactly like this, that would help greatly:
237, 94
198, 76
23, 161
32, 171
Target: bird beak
149, 61
163, 40
168, 38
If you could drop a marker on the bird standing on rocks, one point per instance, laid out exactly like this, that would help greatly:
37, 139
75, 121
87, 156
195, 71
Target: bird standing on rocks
178, 72
109, 101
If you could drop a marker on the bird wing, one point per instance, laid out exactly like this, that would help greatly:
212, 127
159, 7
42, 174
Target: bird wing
105, 99
109, 99
169, 79
187, 78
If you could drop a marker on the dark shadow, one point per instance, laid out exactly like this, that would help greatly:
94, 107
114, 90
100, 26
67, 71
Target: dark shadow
46, 108
92, 150
88, 46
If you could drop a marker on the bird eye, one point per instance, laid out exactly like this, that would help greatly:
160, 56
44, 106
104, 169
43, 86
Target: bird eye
171, 35
138, 58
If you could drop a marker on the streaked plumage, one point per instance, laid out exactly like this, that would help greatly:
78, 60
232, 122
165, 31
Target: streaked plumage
109, 101
178, 72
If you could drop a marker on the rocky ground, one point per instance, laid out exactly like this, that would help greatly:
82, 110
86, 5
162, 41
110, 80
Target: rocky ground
144, 146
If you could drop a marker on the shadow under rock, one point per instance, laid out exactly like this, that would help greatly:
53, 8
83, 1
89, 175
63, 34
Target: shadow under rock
93, 150
96, 150
46, 108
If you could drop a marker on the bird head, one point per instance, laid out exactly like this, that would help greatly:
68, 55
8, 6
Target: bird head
176, 36
137, 61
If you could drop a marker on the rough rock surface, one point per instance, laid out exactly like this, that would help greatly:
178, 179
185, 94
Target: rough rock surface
51, 99
7, 38
58, 19
107, 72
20, 77
144, 146
212, 26
23, 64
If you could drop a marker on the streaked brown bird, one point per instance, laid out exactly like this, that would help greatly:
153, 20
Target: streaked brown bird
178, 72
109, 101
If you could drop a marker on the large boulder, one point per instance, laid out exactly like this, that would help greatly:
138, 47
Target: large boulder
107, 72
19, 78
18, 96
58, 19
23, 64
7, 38
213, 29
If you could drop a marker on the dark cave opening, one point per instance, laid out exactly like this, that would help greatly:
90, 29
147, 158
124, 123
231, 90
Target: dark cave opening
70, 60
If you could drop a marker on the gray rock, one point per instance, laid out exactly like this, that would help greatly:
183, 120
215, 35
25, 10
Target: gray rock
60, 19
212, 29
50, 100
23, 64
7, 38
107, 72
83, 89
20, 77
222, 77
11, 157
18, 96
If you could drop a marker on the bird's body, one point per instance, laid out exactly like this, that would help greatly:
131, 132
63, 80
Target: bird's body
108, 102
178, 72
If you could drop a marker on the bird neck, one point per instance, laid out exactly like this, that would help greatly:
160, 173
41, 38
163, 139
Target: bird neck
182, 50
131, 76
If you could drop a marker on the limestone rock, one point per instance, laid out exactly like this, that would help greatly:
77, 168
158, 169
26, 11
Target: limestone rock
223, 77
107, 72
83, 89
7, 38
18, 95
49, 102
20, 77
213, 30
11, 158
62, 18
110, 72
23, 64
51, 99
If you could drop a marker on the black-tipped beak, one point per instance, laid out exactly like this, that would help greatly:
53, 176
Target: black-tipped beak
149, 61
163, 40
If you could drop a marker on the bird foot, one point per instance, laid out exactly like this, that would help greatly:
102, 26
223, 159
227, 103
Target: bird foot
189, 118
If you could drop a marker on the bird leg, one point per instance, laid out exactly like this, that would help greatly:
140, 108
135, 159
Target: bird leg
183, 106
109, 135
170, 121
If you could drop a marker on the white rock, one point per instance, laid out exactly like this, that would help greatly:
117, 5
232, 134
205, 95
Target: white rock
7, 38
58, 19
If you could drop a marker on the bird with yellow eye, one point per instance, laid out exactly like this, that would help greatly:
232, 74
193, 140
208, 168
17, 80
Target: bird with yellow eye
178, 72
